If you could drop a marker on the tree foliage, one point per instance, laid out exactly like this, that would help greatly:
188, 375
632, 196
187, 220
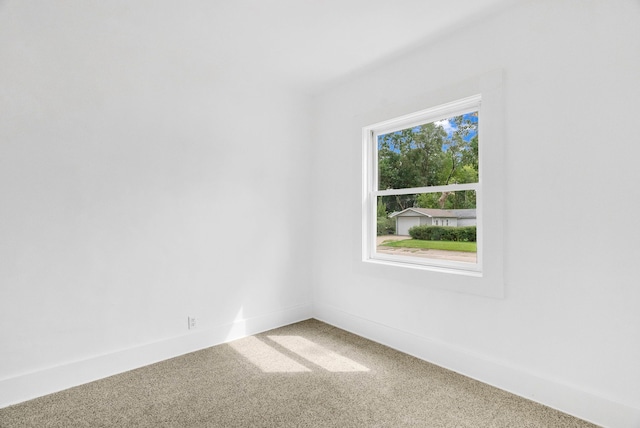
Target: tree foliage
430, 155
385, 225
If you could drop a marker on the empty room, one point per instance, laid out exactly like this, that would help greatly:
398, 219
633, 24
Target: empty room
270, 213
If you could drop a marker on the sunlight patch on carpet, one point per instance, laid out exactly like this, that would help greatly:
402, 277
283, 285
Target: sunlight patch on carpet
266, 358
318, 355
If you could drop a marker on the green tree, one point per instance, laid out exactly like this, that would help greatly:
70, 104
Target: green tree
427, 200
385, 225
412, 157
427, 155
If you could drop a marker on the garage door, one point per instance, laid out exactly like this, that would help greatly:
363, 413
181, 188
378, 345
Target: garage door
405, 223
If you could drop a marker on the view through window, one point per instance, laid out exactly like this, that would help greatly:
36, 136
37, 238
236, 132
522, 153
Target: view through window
424, 186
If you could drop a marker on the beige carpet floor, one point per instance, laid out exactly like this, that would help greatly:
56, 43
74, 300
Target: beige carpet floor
307, 374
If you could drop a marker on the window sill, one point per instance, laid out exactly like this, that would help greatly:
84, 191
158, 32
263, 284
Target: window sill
403, 263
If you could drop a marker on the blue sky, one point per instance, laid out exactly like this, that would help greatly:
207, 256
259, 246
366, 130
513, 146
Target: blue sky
449, 125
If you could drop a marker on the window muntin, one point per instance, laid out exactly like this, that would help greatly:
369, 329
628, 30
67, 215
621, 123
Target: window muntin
428, 160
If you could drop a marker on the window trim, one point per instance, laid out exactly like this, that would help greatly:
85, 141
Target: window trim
371, 193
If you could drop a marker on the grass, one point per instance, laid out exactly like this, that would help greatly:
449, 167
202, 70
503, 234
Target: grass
470, 247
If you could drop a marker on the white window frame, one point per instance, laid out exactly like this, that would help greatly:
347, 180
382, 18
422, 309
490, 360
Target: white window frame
371, 193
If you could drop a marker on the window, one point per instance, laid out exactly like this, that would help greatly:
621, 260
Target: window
422, 175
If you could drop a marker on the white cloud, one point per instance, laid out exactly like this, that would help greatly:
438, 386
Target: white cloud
446, 125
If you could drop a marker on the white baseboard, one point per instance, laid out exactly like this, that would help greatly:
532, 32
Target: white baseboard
36, 384
552, 393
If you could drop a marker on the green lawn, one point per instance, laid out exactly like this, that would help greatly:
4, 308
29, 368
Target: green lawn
470, 247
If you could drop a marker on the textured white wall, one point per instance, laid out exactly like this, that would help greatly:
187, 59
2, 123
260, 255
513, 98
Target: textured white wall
122, 154
570, 315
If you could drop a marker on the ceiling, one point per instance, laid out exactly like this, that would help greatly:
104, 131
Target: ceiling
305, 43
311, 42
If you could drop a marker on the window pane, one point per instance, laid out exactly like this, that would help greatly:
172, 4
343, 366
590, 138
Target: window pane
432, 154
437, 225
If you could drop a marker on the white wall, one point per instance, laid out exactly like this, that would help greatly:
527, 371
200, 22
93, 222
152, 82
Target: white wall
123, 151
567, 332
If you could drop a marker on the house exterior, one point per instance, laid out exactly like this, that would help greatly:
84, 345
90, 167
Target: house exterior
466, 217
410, 217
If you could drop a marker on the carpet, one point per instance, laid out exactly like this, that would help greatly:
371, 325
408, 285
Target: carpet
308, 374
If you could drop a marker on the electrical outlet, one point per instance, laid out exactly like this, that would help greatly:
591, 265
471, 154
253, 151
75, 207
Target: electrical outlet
191, 323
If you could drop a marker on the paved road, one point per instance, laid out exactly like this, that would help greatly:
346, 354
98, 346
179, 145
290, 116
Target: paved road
460, 256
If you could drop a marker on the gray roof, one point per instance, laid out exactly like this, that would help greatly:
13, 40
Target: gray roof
429, 212
434, 212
